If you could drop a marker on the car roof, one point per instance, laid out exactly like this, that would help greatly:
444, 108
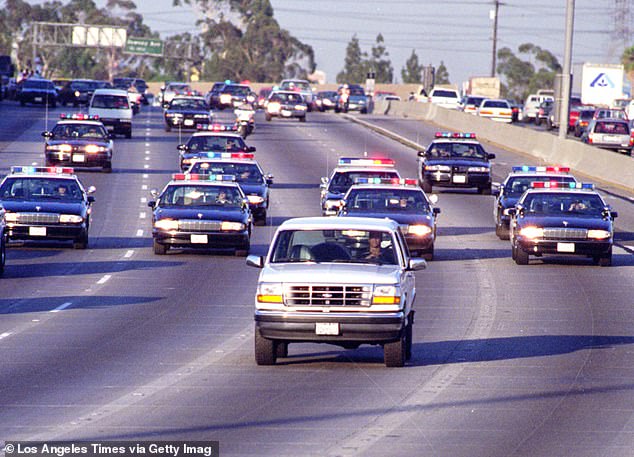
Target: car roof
190, 182
78, 121
365, 169
211, 133
455, 140
111, 92
340, 223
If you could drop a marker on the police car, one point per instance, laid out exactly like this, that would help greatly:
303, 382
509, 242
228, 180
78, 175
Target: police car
401, 200
343, 176
187, 112
210, 140
79, 140
455, 160
562, 219
201, 211
248, 174
516, 183
46, 203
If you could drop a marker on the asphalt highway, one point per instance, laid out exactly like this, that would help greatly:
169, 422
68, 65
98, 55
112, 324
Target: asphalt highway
115, 343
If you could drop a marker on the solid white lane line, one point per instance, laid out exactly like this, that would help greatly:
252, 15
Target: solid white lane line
61, 307
104, 279
128, 254
139, 232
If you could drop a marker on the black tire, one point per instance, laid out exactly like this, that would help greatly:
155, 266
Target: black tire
107, 168
429, 255
159, 249
427, 187
282, 349
501, 231
394, 352
409, 338
128, 134
168, 128
265, 350
484, 190
3, 254
268, 117
606, 259
81, 242
242, 251
302, 119
521, 256
538, 120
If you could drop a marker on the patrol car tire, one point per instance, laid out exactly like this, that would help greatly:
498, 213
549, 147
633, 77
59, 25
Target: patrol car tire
429, 254
484, 190
107, 168
501, 231
426, 187
394, 352
282, 349
128, 134
606, 259
265, 350
302, 119
160, 249
82, 242
521, 256
268, 117
409, 337
168, 128
3, 256
242, 251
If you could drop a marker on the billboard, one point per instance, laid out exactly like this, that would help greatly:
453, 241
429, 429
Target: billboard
601, 83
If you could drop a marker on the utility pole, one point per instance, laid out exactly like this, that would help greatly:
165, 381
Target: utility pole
494, 16
564, 112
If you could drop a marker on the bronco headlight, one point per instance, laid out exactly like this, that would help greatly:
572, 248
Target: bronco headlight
419, 230
166, 224
227, 226
598, 234
437, 168
255, 199
270, 292
386, 295
532, 232
70, 219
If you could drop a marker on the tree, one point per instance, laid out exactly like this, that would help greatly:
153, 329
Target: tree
354, 70
412, 71
441, 75
379, 62
522, 77
627, 59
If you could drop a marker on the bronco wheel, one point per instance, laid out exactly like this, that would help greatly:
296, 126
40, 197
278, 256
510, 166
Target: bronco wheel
160, 249
426, 187
521, 256
265, 350
394, 352
81, 242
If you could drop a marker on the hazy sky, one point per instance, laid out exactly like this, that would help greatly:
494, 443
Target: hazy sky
457, 32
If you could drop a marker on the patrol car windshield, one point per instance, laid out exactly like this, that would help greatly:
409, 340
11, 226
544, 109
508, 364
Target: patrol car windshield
80, 131
517, 185
245, 173
237, 90
201, 195
110, 101
216, 143
286, 98
457, 150
300, 85
341, 181
569, 204
40, 188
187, 103
391, 200
336, 246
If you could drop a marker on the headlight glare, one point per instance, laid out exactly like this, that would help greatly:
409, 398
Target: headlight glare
532, 232
70, 219
419, 230
598, 234
166, 224
231, 226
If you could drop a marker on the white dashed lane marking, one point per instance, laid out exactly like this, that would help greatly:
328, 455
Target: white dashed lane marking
142, 215
61, 307
129, 254
139, 232
104, 279
4, 335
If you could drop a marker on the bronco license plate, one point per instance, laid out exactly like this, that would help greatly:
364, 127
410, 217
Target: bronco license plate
327, 328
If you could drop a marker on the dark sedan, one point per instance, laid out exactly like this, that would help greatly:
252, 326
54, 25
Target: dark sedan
204, 144
36, 90
187, 113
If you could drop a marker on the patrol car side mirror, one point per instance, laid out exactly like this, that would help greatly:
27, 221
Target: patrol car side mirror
47, 134
256, 261
251, 149
324, 181
111, 136
435, 211
608, 213
496, 188
490, 156
433, 198
269, 179
91, 190
510, 211
151, 203
182, 147
90, 199
416, 264
422, 153
154, 193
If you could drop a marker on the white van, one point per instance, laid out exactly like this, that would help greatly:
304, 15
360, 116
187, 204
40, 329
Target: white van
447, 98
531, 105
114, 110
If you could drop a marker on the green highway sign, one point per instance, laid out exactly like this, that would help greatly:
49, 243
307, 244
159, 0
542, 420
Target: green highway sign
144, 46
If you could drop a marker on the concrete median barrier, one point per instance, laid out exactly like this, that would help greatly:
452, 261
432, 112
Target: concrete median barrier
599, 164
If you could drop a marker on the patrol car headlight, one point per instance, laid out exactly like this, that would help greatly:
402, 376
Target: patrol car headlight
166, 224
225, 98
200, 116
11, 217
250, 98
386, 295
70, 219
437, 168
532, 232
60, 147
77, 94
419, 230
227, 226
255, 199
301, 107
598, 234
93, 148
273, 107
478, 169
270, 292
331, 204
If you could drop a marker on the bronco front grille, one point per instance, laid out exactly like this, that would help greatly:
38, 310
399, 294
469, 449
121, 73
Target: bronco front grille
562, 233
328, 295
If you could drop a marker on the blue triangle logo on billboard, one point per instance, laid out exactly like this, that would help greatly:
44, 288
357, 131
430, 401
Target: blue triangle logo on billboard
602, 80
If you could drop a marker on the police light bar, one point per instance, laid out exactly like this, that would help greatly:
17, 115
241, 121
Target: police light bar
198, 177
365, 162
455, 135
229, 155
551, 169
217, 127
560, 185
397, 181
51, 170
79, 116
